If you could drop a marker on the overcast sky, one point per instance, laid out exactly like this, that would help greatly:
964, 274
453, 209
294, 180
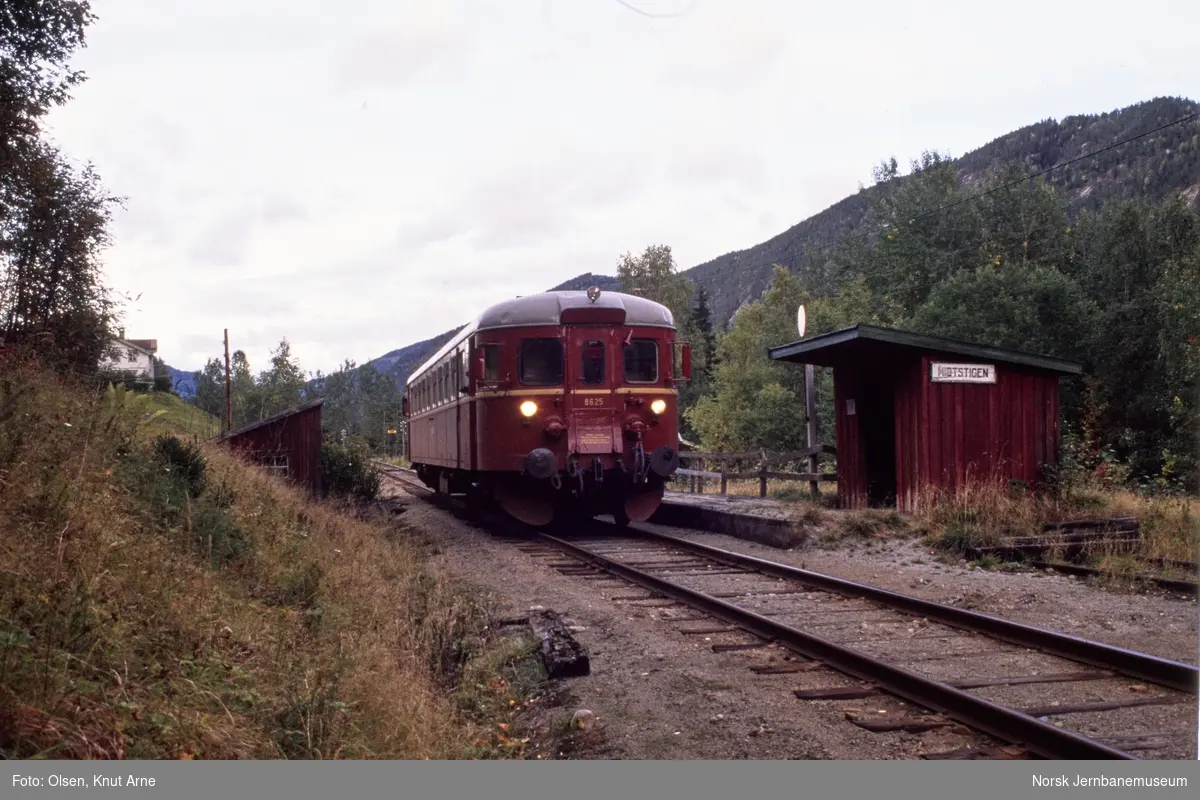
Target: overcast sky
360, 175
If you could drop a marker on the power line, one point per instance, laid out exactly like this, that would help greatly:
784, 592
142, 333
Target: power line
637, 10
790, 260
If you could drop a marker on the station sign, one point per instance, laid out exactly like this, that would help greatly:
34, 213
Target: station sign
962, 373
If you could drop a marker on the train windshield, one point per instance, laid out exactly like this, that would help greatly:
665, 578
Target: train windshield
541, 362
592, 363
641, 361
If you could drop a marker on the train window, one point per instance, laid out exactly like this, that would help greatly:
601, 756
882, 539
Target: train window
491, 362
641, 361
591, 366
541, 362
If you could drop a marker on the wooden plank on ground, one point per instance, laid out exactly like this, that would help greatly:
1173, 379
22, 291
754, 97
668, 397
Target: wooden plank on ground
562, 654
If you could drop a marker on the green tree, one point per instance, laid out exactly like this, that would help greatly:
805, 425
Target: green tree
53, 217
914, 249
1020, 307
210, 388
282, 385
655, 276
757, 402
706, 340
162, 377
243, 391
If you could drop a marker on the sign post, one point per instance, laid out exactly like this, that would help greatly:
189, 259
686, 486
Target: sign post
810, 403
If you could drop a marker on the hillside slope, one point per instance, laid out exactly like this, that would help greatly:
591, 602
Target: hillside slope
167, 601
1154, 168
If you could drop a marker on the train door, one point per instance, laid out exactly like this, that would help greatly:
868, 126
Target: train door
463, 401
591, 400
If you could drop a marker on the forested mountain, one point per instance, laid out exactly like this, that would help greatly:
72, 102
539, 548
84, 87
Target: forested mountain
1154, 168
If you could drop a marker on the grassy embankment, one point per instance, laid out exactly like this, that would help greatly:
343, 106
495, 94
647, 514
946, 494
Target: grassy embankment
161, 599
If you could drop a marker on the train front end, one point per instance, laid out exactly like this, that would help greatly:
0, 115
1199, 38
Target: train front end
595, 406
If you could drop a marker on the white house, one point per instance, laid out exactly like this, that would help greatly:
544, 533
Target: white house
134, 357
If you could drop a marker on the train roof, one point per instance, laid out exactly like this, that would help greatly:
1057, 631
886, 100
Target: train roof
547, 309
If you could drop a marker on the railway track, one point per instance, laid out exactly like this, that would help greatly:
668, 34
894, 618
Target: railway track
1031, 691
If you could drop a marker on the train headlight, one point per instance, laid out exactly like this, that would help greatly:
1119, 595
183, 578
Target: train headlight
658, 406
528, 408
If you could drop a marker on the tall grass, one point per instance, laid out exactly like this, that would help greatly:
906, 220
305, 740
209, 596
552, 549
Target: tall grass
983, 512
147, 614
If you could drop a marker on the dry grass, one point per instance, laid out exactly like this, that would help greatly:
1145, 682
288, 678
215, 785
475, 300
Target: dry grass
982, 513
246, 621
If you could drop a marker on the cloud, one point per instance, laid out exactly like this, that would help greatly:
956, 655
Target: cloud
506, 147
725, 47
393, 53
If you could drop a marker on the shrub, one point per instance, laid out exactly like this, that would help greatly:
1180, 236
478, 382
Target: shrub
184, 461
346, 470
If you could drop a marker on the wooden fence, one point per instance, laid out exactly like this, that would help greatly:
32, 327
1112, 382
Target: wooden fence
762, 470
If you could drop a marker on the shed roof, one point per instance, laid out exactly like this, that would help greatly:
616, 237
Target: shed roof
546, 308
849, 345
262, 423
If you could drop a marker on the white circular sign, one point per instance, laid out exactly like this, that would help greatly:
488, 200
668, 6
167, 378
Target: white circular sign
800, 321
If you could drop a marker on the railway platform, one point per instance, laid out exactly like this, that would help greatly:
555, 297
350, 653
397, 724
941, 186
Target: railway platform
766, 521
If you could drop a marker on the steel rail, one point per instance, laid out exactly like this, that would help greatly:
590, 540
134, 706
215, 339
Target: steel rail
1003, 723
1144, 666
1164, 672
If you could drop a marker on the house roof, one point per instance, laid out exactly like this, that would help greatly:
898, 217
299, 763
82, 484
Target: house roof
864, 343
262, 423
146, 347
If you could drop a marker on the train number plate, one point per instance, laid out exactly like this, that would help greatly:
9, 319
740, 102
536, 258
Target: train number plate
595, 441
593, 402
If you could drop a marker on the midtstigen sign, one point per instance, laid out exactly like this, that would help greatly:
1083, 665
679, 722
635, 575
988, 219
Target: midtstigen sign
962, 373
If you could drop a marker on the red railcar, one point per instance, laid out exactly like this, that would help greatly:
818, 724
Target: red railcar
557, 404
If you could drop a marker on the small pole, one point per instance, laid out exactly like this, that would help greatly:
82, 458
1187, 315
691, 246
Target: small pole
228, 388
810, 408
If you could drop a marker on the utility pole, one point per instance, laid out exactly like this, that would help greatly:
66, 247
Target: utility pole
228, 388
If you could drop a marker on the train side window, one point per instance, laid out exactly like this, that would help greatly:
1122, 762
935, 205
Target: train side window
641, 361
541, 362
591, 367
491, 362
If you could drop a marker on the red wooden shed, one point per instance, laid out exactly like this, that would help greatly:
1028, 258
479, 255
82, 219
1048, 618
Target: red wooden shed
916, 411
287, 444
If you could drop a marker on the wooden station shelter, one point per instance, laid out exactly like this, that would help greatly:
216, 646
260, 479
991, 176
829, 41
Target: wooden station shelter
287, 444
917, 411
